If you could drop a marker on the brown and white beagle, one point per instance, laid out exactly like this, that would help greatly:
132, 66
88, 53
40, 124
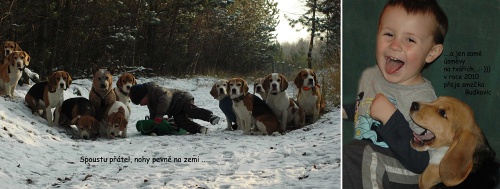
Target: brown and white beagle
11, 71
284, 107
123, 85
259, 89
460, 155
219, 92
80, 112
117, 120
102, 94
44, 96
251, 110
7, 48
309, 95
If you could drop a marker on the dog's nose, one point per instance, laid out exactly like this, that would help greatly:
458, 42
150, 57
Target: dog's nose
274, 85
103, 86
128, 87
62, 85
415, 106
233, 91
85, 137
311, 80
258, 88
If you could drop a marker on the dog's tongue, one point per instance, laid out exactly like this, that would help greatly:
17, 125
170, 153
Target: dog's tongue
426, 136
392, 66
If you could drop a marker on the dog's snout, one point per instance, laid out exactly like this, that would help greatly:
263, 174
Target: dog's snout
415, 106
103, 86
128, 87
311, 80
258, 88
85, 137
274, 85
233, 91
62, 85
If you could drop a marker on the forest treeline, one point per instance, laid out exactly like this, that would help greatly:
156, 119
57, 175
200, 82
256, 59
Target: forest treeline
172, 37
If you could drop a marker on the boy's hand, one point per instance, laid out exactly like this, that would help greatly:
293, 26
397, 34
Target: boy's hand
381, 108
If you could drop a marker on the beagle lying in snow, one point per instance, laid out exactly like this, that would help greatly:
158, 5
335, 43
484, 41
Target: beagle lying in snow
44, 96
309, 96
284, 107
102, 94
80, 112
259, 89
123, 85
251, 110
117, 120
460, 155
11, 71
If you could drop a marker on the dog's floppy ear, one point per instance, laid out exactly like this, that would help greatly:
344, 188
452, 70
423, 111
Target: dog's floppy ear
69, 80
213, 92
266, 84
298, 80
245, 87
458, 160
27, 58
17, 47
134, 81
284, 83
75, 120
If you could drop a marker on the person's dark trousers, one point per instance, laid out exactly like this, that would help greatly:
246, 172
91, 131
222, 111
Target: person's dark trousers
189, 110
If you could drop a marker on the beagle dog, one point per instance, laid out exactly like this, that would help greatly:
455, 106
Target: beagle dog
102, 94
44, 96
7, 48
11, 71
80, 112
309, 95
219, 92
259, 89
123, 85
460, 155
117, 119
251, 110
284, 107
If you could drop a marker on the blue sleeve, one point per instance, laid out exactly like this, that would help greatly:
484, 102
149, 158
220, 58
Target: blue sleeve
226, 105
397, 134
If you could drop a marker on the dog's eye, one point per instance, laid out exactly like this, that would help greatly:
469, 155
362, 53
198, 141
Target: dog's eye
279, 80
442, 113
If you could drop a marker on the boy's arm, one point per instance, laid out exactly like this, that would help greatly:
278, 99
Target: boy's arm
397, 134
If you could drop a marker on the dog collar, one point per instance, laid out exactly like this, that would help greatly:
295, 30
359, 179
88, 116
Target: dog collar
238, 99
123, 92
309, 88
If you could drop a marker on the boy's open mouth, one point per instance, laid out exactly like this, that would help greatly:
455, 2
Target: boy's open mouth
393, 65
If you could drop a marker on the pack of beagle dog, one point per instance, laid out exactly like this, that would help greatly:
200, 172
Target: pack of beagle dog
104, 113
275, 110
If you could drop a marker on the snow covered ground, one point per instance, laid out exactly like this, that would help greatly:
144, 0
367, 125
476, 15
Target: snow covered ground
34, 155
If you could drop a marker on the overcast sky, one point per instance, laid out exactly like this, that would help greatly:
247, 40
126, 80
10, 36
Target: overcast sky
293, 9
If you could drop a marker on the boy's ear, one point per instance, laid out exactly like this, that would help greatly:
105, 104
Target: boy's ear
434, 53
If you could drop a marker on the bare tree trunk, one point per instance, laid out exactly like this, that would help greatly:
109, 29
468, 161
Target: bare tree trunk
311, 42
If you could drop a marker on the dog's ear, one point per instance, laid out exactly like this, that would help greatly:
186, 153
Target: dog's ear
266, 84
214, 92
245, 87
94, 69
315, 77
458, 160
112, 69
298, 80
134, 81
69, 80
75, 120
284, 82
27, 58
17, 47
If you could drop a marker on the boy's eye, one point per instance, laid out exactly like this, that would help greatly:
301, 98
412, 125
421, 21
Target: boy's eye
388, 34
411, 40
